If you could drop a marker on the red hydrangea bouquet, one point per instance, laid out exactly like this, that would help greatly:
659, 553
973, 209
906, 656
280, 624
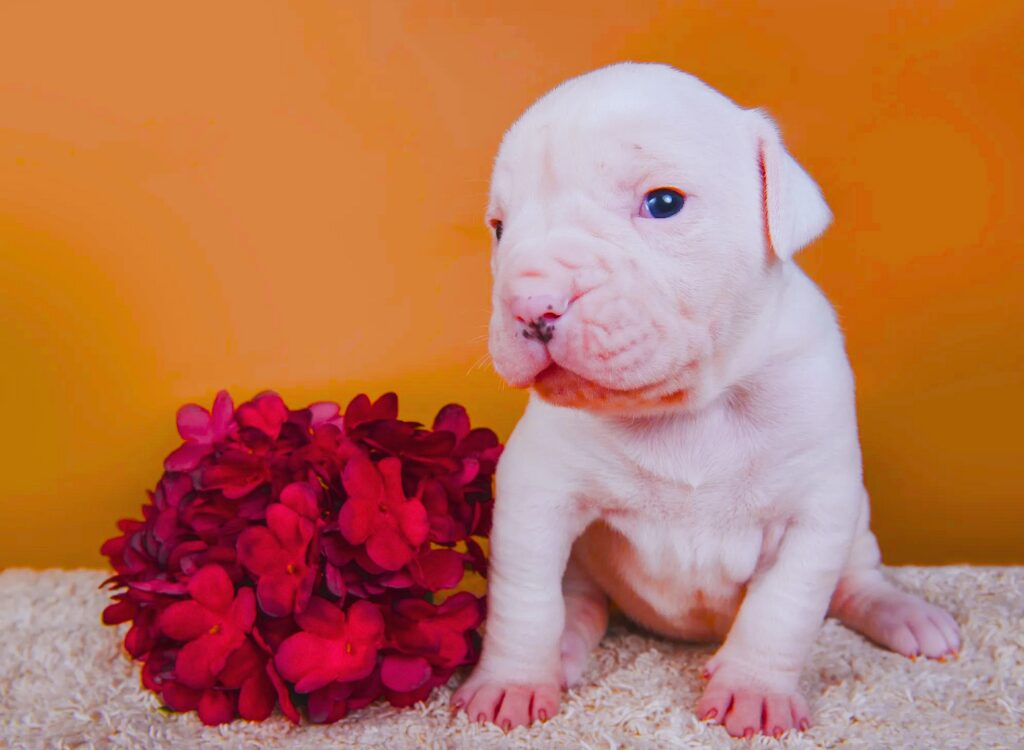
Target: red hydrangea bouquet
291, 558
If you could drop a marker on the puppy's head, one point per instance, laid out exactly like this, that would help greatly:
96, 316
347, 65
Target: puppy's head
639, 221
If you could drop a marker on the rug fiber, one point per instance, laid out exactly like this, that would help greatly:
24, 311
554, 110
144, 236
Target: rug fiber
66, 682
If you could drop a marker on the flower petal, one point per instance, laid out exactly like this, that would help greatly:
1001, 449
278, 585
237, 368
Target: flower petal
284, 695
260, 551
470, 470
404, 673
141, 637
304, 591
356, 518
200, 660
322, 618
357, 411
242, 613
385, 407
335, 584
222, 421
453, 418
462, 610
292, 530
365, 622
276, 593
194, 424
157, 586
361, 479
388, 548
245, 661
186, 621
266, 413
438, 569
257, 698
172, 489
122, 611
216, 707
187, 457
412, 519
235, 473
306, 660
391, 472
328, 704
212, 588
301, 498
177, 697
323, 412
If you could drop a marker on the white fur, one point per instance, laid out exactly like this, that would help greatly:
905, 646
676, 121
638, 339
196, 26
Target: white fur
692, 442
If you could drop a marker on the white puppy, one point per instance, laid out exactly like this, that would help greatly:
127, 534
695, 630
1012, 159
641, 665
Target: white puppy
690, 449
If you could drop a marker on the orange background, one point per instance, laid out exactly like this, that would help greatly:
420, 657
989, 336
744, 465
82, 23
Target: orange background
291, 196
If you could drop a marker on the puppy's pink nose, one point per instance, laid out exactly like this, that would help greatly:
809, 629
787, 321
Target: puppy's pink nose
534, 307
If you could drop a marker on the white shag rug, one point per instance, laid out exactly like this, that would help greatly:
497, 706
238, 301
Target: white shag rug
66, 682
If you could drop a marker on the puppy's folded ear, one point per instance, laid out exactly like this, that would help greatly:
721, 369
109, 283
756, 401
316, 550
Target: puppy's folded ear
795, 212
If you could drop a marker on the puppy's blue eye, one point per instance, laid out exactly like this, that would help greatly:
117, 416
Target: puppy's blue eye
662, 203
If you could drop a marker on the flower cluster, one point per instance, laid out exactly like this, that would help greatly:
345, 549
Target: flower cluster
292, 558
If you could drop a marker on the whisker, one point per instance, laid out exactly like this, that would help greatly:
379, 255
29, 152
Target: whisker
482, 361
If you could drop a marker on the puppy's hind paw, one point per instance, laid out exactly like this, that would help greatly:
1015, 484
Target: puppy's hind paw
903, 623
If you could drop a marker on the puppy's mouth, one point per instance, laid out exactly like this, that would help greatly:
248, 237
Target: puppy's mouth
562, 387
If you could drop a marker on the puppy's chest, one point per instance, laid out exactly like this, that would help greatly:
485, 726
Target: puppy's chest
697, 497
686, 472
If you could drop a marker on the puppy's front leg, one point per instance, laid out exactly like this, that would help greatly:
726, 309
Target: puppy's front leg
518, 679
754, 675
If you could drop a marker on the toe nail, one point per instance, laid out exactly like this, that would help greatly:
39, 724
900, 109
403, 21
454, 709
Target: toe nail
804, 725
481, 718
542, 715
506, 725
777, 732
748, 733
710, 714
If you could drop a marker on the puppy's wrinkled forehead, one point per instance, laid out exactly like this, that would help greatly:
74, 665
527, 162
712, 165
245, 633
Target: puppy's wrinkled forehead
616, 127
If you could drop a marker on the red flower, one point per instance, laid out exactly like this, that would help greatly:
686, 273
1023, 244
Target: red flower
265, 413
360, 410
334, 701
429, 642
437, 633
378, 513
236, 474
437, 569
276, 555
214, 622
325, 412
332, 647
298, 550
202, 431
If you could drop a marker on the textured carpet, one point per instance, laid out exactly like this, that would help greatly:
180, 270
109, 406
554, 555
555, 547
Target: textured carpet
65, 682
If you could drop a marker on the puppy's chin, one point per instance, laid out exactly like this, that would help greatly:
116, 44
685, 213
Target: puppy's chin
562, 387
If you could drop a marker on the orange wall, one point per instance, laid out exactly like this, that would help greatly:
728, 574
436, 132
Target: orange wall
291, 196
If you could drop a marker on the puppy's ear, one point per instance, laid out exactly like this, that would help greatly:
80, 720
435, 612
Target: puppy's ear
795, 212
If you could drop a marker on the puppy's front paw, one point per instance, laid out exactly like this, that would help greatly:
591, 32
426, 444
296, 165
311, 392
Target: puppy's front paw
746, 705
485, 697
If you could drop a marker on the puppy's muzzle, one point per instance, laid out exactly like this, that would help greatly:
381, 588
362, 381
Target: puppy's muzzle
538, 315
